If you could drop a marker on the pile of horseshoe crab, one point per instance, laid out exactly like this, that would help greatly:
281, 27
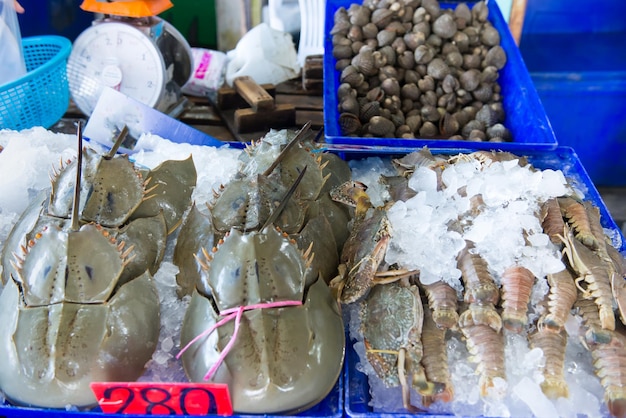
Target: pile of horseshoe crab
257, 261
404, 318
78, 302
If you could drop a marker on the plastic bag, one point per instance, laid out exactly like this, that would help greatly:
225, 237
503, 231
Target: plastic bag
209, 67
265, 54
12, 65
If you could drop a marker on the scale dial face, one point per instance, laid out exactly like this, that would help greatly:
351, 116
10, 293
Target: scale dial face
116, 55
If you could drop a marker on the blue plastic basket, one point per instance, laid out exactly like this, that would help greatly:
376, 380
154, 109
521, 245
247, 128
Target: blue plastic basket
41, 96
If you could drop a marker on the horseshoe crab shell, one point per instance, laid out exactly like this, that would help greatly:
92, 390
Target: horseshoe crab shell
76, 344
283, 359
112, 189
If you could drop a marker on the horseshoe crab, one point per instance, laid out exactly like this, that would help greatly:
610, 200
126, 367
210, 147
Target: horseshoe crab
72, 311
262, 318
268, 169
138, 207
286, 352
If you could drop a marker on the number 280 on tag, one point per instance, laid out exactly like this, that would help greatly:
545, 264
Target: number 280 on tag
151, 398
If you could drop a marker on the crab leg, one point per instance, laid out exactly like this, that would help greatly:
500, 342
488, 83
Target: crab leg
406, 396
390, 276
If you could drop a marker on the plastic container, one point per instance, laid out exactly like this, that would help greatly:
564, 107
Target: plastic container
575, 54
312, 14
41, 96
525, 116
357, 394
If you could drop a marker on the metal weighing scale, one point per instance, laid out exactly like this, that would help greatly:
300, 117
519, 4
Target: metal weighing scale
130, 49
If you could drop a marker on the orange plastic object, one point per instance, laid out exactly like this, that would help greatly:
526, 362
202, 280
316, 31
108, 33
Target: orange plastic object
133, 8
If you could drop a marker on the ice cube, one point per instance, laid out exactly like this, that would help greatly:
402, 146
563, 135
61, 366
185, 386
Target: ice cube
530, 393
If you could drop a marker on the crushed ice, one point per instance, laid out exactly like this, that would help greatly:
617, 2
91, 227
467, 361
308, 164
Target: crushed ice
506, 231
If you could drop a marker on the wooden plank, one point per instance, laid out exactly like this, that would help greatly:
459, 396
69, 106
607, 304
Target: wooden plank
247, 120
301, 102
253, 94
201, 114
313, 67
304, 116
313, 74
293, 86
229, 98
313, 86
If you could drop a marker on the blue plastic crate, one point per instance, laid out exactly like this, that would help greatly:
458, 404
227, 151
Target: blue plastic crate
574, 16
589, 114
525, 116
575, 54
331, 406
54, 17
357, 396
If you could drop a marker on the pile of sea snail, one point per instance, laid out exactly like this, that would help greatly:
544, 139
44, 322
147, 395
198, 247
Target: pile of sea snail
410, 68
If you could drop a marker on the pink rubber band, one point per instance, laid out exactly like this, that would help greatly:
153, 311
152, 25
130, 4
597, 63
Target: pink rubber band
229, 314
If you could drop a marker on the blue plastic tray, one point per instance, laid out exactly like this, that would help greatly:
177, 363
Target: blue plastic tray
525, 116
562, 158
331, 406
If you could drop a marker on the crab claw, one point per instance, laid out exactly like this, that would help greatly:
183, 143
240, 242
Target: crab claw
359, 280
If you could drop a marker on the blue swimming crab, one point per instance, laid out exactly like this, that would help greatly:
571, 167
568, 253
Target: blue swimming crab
392, 318
363, 254
79, 303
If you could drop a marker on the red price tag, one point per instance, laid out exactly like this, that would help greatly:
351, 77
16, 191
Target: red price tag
151, 398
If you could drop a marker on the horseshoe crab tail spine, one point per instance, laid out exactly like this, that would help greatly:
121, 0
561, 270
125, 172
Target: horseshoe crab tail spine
301, 133
319, 133
283, 202
118, 142
79, 172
